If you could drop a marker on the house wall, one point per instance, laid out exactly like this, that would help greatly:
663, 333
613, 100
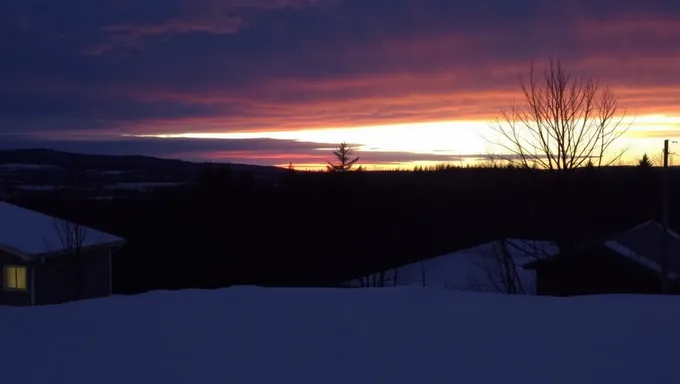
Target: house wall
598, 271
8, 297
62, 279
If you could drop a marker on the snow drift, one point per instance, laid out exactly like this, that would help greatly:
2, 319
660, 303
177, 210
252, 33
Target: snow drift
321, 336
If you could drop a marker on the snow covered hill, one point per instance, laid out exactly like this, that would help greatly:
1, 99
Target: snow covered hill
320, 336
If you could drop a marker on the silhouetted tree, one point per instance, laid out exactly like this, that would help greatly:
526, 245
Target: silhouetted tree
289, 176
72, 237
644, 180
423, 273
344, 155
565, 122
645, 162
501, 268
657, 159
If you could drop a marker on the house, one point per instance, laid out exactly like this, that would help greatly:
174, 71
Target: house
46, 260
626, 262
489, 267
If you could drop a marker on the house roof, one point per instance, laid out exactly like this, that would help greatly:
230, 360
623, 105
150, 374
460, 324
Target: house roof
641, 244
475, 269
31, 235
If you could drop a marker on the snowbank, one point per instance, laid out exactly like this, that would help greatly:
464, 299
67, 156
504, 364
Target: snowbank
317, 336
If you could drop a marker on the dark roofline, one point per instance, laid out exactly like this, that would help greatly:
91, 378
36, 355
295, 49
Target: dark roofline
536, 263
670, 232
15, 252
65, 252
583, 245
600, 243
60, 253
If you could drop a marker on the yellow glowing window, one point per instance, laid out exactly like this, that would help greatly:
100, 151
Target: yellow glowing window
15, 277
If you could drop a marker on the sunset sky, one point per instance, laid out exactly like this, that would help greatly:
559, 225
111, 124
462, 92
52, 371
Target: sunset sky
279, 81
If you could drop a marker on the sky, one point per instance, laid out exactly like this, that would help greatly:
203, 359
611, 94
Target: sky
284, 81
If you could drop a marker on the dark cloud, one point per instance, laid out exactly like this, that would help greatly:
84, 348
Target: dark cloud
195, 16
253, 151
179, 65
154, 146
16, 105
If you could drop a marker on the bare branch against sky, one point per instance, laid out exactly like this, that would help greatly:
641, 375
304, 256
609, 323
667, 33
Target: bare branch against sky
563, 122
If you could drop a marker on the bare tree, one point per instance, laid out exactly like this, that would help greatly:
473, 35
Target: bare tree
380, 279
364, 281
344, 155
657, 159
565, 121
492, 160
376, 280
72, 240
501, 268
423, 273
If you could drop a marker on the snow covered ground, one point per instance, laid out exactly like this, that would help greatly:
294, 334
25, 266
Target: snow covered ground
321, 336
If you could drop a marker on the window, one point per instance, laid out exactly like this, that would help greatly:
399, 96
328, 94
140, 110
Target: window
15, 277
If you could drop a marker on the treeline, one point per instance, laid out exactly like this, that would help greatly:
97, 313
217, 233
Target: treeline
324, 228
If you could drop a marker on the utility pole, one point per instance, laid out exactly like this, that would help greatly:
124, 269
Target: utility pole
664, 220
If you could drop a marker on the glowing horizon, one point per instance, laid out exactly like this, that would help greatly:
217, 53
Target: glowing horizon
454, 141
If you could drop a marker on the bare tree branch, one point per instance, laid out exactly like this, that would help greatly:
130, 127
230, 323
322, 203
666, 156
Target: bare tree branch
564, 122
72, 238
423, 273
501, 265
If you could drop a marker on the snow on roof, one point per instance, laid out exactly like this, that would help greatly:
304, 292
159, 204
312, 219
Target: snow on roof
489, 267
642, 244
337, 336
30, 234
639, 259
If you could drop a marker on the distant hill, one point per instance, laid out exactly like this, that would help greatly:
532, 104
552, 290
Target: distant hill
117, 162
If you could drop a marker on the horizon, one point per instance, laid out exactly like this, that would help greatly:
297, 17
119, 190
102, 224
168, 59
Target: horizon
472, 163
273, 82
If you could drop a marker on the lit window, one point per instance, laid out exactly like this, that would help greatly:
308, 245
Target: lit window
15, 277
